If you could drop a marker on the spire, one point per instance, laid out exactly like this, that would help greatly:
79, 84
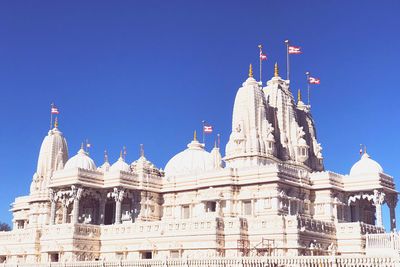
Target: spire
82, 145
251, 71
105, 156
141, 150
298, 96
120, 154
195, 136
276, 70
56, 122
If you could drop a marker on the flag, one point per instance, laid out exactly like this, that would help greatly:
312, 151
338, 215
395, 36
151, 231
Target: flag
263, 56
207, 129
313, 80
54, 110
294, 49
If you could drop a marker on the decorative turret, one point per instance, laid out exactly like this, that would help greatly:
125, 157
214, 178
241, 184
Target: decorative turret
52, 156
293, 125
106, 165
217, 158
143, 167
251, 141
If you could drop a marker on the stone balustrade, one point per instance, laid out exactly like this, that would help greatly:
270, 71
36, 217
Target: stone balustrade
309, 261
387, 244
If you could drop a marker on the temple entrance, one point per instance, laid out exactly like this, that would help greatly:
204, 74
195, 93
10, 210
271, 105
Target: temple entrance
109, 216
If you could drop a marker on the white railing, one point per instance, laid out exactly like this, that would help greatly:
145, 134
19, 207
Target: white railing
383, 244
298, 261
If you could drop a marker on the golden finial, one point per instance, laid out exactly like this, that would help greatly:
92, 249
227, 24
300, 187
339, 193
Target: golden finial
195, 136
276, 70
56, 122
298, 96
251, 71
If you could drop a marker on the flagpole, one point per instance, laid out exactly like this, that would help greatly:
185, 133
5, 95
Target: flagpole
203, 132
287, 59
51, 115
308, 87
260, 47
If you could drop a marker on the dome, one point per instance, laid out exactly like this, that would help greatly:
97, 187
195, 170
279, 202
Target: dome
192, 160
365, 165
80, 160
120, 165
105, 167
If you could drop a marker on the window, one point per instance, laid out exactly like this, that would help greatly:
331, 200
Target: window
247, 207
54, 257
211, 206
147, 255
185, 212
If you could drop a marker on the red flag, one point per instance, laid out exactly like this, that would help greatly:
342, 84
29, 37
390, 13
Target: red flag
207, 129
294, 49
263, 56
54, 110
313, 80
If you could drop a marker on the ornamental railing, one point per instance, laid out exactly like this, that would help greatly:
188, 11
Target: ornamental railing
298, 261
383, 244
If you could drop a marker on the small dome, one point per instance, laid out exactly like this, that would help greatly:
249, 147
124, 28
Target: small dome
120, 165
105, 167
192, 160
80, 160
365, 165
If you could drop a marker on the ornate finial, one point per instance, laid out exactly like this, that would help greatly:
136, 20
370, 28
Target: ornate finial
276, 70
141, 150
218, 140
363, 149
195, 136
298, 96
105, 156
120, 153
82, 146
56, 122
251, 71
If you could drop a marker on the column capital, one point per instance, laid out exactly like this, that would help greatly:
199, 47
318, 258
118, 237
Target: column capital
378, 197
53, 195
391, 200
76, 192
117, 194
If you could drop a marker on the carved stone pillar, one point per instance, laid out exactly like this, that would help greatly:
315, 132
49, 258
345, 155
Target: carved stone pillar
378, 199
76, 195
392, 202
118, 196
102, 209
53, 201
64, 204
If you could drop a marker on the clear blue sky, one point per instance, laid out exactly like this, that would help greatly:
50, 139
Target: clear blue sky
132, 72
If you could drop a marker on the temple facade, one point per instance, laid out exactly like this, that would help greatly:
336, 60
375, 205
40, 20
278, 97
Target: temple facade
269, 195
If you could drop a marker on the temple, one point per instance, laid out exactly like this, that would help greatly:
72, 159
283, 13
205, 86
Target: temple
269, 195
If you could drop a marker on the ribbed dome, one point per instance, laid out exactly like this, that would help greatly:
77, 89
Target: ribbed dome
120, 165
365, 165
192, 160
80, 160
